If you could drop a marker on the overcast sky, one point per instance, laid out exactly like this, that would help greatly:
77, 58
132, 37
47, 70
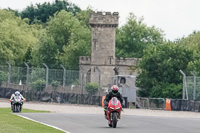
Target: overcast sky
177, 18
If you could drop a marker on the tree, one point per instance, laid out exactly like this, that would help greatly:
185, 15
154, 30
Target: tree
191, 42
15, 37
42, 12
45, 51
135, 36
84, 16
64, 40
160, 67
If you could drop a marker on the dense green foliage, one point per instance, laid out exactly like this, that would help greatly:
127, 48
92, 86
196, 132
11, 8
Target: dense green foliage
91, 88
63, 41
16, 36
192, 42
135, 36
159, 68
42, 12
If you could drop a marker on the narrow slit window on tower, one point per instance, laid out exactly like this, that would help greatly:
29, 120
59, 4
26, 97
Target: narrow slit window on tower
110, 59
95, 44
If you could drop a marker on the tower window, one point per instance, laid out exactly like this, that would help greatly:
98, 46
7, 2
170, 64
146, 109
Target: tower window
110, 59
95, 43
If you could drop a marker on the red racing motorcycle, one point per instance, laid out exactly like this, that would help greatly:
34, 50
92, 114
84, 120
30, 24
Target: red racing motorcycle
113, 112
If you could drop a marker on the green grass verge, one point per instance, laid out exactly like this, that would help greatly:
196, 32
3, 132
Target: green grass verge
12, 123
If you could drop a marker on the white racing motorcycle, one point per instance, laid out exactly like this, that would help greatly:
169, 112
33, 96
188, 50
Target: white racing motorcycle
16, 104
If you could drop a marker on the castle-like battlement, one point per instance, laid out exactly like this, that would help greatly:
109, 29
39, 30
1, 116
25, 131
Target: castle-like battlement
126, 61
84, 60
106, 19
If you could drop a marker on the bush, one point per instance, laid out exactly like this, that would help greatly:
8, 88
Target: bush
55, 84
38, 85
2, 77
37, 73
91, 88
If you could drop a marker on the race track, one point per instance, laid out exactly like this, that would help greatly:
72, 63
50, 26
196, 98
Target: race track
96, 123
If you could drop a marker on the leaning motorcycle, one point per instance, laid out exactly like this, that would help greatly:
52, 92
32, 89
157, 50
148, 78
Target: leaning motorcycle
16, 104
113, 112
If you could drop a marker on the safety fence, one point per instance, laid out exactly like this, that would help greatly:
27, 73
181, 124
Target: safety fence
151, 103
28, 76
192, 86
44, 79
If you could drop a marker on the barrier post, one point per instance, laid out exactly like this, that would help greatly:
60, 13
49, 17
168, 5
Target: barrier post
168, 104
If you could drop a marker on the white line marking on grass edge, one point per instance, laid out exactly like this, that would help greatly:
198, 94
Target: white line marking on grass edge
42, 123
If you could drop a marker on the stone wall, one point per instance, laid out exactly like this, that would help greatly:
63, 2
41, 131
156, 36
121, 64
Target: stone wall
86, 60
127, 61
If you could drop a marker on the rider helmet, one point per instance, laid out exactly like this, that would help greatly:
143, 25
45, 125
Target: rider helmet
17, 93
114, 89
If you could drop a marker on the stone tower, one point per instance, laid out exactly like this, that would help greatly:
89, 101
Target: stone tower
103, 43
103, 38
103, 50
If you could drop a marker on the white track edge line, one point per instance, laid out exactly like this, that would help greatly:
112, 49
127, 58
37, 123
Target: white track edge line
42, 123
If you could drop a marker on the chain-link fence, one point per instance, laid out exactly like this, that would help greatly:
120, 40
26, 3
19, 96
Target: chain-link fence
39, 79
45, 79
193, 87
151, 103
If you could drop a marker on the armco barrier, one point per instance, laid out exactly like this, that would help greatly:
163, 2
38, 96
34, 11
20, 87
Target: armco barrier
56, 97
191, 105
185, 105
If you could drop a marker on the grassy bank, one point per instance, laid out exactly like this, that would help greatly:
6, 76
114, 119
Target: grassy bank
12, 123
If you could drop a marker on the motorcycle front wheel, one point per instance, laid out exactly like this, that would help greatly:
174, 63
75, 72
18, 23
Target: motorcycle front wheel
114, 119
18, 108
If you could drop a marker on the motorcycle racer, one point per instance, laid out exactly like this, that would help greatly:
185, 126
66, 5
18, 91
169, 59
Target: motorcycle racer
113, 93
17, 93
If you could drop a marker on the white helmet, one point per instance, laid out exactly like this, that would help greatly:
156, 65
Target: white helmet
17, 93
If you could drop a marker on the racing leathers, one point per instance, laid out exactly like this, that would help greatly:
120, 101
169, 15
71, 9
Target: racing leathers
109, 97
12, 98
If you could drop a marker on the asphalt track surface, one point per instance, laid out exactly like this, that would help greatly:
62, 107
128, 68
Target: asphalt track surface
96, 123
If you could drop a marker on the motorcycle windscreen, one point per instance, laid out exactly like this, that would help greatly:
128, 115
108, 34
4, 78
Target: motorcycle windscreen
17, 98
114, 101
